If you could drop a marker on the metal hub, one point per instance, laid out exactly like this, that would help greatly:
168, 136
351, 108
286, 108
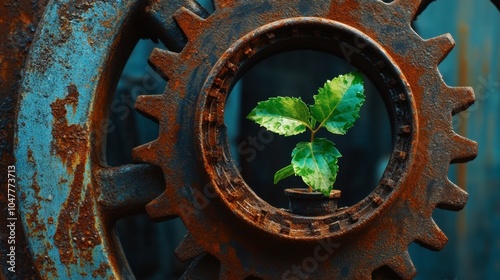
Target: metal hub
280, 36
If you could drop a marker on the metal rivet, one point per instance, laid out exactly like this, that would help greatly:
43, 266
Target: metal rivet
231, 66
377, 200
218, 82
285, 228
248, 51
271, 37
216, 94
387, 182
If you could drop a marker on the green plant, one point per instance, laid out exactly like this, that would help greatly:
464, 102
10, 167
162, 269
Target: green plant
336, 107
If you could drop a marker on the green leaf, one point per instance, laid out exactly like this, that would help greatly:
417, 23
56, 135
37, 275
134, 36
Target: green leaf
338, 102
283, 173
283, 115
316, 163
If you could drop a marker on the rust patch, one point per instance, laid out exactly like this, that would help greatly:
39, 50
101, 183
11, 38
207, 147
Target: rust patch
84, 233
69, 13
45, 261
76, 234
101, 271
32, 216
69, 141
65, 221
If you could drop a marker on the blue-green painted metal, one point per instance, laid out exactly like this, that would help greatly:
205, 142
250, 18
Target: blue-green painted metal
71, 52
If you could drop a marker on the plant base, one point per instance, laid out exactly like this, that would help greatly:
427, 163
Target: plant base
305, 203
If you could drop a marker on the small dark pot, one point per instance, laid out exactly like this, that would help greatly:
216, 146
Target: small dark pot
305, 203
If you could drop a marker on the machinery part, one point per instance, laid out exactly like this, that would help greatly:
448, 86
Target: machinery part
80, 28
68, 197
226, 219
18, 25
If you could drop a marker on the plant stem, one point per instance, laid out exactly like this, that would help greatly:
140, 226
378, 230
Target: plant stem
314, 131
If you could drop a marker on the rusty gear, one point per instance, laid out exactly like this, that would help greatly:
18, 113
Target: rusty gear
224, 217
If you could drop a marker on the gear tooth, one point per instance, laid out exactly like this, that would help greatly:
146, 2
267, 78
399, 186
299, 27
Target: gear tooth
452, 197
189, 22
432, 237
164, 62
146, 152
462, 98
462, 149
403, 266
188, 249
150, 105
159, 209
441, 46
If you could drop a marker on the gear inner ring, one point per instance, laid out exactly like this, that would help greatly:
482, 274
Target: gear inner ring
291, 34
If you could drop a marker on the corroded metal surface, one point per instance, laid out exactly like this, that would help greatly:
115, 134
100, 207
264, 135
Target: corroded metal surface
18, 23
250, 237
69, 197
67, 235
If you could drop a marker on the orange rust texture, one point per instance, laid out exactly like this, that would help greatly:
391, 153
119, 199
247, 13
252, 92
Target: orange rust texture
62, 237
18, 22
32, 215
68, 13
101, 271
69, 141
76, 234
346, 14
38, 227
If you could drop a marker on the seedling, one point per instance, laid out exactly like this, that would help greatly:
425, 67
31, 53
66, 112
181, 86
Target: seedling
336, 107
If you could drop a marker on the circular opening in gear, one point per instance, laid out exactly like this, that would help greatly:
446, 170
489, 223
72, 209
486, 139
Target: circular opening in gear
259, 153
295, 34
